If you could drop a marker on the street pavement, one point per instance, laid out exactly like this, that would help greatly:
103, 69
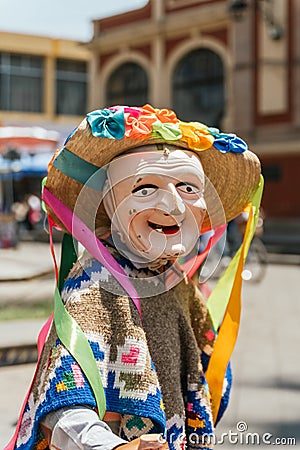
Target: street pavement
27, 261
265, 397
266, 361
27, 273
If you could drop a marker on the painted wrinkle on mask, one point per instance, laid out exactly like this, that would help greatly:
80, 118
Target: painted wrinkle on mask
166, 224
179, 207
168, 213
165, 219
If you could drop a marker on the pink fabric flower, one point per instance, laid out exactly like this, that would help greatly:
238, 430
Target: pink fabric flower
134, 111
138, 127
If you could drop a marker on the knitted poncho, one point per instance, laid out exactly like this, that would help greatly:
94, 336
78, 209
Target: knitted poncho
151, 369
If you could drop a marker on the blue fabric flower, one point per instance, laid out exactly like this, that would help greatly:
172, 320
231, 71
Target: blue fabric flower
107, 123
229, 143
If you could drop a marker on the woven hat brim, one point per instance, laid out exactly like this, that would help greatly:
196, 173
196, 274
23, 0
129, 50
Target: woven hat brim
233, 177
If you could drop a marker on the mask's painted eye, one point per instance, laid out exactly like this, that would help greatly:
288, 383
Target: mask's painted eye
144, 190
188, 188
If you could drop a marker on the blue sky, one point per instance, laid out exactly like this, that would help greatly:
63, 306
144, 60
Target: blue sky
68, 19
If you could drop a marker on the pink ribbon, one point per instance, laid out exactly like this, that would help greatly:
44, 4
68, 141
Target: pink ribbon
87, 238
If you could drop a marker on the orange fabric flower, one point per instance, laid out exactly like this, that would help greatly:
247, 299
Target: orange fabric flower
141, 126
164, 115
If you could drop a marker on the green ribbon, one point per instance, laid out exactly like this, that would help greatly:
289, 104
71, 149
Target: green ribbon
69, 332
44, 181
69, 255
218, 299
80, 170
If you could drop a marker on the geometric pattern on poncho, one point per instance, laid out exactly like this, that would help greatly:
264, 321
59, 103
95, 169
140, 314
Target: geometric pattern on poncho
61, 382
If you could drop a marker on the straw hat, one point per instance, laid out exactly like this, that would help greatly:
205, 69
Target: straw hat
233, 171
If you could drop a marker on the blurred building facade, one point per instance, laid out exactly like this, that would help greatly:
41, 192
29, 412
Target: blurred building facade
43, 81
230, 67
43, 92
231, 64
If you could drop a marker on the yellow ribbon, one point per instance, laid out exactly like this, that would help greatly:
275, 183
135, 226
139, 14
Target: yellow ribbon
229, 290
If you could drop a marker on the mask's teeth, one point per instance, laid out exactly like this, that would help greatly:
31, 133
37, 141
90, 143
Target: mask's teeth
160, 230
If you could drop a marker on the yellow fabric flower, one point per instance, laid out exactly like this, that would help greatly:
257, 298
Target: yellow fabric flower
196, 135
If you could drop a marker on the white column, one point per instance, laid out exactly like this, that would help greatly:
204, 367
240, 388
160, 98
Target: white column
158, 76
158, 10
95, 92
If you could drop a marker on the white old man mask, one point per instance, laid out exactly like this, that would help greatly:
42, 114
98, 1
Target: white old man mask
154, 199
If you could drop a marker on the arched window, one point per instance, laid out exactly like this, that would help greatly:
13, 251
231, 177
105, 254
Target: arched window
198, 87
128, 85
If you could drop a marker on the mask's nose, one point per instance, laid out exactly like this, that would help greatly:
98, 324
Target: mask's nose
171, 202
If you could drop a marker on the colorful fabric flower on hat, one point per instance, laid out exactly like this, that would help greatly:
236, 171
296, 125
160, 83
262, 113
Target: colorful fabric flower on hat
118, 122
107, 123
229, 143
196, 135
134, 110
166, 131
214, 131
163, 115
139, 127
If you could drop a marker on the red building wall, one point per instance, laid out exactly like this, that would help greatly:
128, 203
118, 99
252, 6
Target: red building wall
281, 196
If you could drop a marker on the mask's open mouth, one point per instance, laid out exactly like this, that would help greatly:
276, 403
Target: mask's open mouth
166, 229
